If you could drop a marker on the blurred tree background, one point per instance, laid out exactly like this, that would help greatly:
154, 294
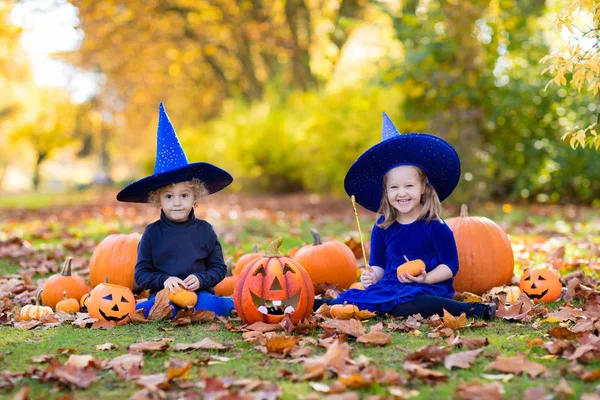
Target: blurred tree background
286, 94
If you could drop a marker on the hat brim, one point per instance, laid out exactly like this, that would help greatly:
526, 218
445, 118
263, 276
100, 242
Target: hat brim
433, 154
213, 177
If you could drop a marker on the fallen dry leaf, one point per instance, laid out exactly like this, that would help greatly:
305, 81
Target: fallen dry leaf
148, 347
204, 344
463, 359
161, 309
106, 347
477, 390
351, 327
426, 375
517, 365
178, 369
450, 321
375, 338
281, 344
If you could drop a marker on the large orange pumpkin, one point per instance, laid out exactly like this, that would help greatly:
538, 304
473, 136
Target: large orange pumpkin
330, 262
53, 288
245, 259
484, 252
115, 258
541, 285
113, 303
272, 286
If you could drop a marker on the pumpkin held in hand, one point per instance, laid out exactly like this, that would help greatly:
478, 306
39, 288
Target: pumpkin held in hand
330, 262
541, 285
412, 267
113, 303
183, 298
53, 288
70, 306
484, 253
272, 286
115, 258
34, 312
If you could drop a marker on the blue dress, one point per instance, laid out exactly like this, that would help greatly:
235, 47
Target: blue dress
431, 242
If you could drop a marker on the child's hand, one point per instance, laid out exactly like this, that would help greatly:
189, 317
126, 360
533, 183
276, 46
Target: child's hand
192, 282
173, 284
405, 277
368, 277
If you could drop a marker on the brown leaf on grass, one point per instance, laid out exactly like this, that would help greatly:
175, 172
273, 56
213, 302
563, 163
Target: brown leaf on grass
204, 344
586, 353
534, 393
161, 309
517, 365
423, 374
302, 352
82, 361
138, 317
350, 327
335, 358
154, 381
563, 389
375, 338
469, 343
356, 380
127, 366
178, 369
83, 320
190, 315
103, 325
560, 332
67, 350
263, 327
364, 315
253, 337
582, 326
477, 390
566, 314
305, 326
148, 347
69, 375
43, 358
23, 394
463, 359
335, 387
281, 344
429, 354
557, 347
450, 321
27, 325
106, 346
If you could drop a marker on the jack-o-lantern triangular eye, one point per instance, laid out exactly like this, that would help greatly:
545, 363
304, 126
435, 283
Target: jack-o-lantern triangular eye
124, 300
260, 271
109, 297
541, 278
287, 269
528, 278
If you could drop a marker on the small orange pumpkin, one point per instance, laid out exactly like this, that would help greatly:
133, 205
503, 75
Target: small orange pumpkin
113, 303
53, 288
413, 267
67, 305
330, 262
115, 258
541, 285
183, 298
83, 301
510, 293
343, 311
226, 286
272, 286
484, 253
34, 312
245, 259
357, 285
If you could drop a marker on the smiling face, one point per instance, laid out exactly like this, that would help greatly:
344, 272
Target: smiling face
111, 303
404, 189
272, 287
177, 201
541, 285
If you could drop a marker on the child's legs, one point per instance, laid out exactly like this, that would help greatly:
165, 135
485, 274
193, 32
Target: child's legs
216, 304
427, 306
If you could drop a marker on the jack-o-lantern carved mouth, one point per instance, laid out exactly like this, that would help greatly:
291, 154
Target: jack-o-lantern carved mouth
276, 307
538, 296
113, 319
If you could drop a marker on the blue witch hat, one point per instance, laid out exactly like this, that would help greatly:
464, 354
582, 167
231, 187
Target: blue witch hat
433, 154
171, 166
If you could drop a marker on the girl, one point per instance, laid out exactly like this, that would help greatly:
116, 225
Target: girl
179, 250
404, 178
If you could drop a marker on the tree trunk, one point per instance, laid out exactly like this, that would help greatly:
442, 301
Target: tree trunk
36, 171
298, 19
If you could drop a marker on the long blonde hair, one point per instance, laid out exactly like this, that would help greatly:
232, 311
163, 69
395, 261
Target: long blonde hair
432, 207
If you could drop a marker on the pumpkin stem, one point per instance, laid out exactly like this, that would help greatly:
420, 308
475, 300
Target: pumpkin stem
464, 211
406, 258
316, 237
38, 300
228, 263
66, 269
254, 249
273, 248
64, 294
106, 279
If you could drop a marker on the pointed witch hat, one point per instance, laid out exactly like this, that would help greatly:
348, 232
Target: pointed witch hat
433, 154
171, 166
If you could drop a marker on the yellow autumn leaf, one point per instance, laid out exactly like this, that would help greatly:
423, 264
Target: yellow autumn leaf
552, 320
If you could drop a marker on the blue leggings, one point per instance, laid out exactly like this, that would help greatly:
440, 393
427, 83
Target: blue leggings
206, 301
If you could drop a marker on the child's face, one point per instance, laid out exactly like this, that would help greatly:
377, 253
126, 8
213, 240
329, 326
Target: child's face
177, 201
404, 190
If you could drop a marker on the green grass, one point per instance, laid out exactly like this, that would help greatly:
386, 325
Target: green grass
38, 200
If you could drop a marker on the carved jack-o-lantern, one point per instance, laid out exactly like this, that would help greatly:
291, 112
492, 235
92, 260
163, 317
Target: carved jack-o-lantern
111, 303
541, 285
271, 286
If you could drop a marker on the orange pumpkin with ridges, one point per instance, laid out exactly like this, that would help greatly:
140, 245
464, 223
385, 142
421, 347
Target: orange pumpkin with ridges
245, 259
115, 258
272, 286
484, 253
226, 286
113, 303
52, 290
330, 262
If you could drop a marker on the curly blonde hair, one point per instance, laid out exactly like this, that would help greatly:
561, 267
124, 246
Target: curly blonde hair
432, 206
198, 189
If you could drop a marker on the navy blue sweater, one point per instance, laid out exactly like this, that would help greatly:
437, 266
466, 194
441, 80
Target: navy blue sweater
179, 249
